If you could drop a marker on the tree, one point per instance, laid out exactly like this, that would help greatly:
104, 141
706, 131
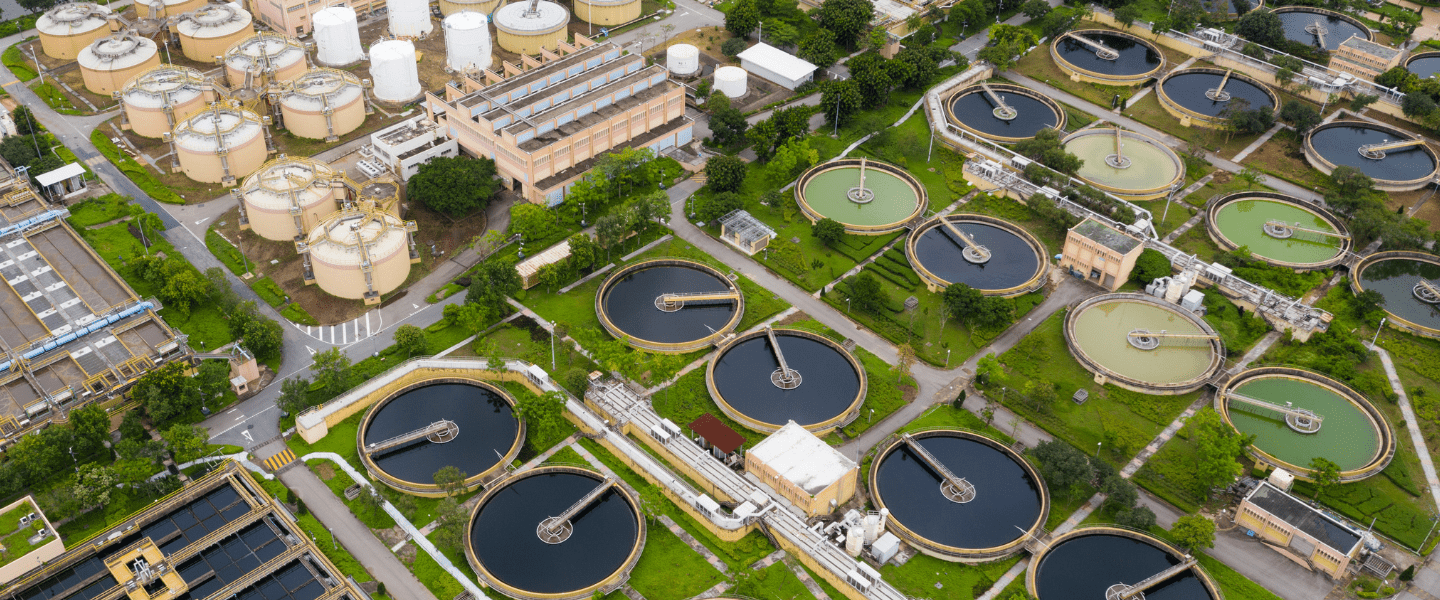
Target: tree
725, 173
840, 101
491, 284
1350, 190
727, 125
1194, 532
167, 393
454, 185
584, 252
904, 361
25, 123
93, 484
1300, 115
552, 275
1046, 148
1139, 517
221, 293
1262, 27
867, 294
717, 205
186, 442
1035, 9
1360, 101
332, 370
789, 160
870, 74
1126, 15
261, 335
1063, 467
451, 480
294, 395
962, 301
451, 521
915, 67
92, 428
742, 19
1324, 474
829, 231
411, 339
1149, 266
544, 414
1242, 119
532, 221
1251, 176
733, 46
1242, 7
132, 426
847, 18
609, 230
1217, 446
1417, 105
779, 33
1120, 494
819, 48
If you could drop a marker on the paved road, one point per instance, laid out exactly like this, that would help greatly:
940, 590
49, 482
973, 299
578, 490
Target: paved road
688, 15
354, 535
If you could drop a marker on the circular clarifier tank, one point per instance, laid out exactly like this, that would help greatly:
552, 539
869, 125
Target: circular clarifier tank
1016, 260
1406, 280
1200, 95
516, 545
669, 305
1143, 344
1375, 150
1305, 25
1141, 168
1298, 415
1424, 64
1003, 113
1083, 564
1107, 56
1278, 229
436, 423
822, 389
1009, 504
868, 197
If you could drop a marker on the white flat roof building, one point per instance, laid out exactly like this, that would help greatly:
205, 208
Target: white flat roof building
777, 65
803, 469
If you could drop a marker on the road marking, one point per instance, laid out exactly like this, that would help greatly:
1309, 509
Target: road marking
367, 324
239, 417
312, 350
246, 433
10, 83
202, 220
247, 436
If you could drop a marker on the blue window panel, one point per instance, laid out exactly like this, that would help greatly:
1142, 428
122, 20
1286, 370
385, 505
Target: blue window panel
547, 127
664, 144
542, 105
685, 137
659, 77
524, 112
621, 95
525, 137
555, 197
537, 86
562, 96
601, 103
640, 87
632, 67
565, 118
584, 110
575, 70
612, 55
592, 63
502, 121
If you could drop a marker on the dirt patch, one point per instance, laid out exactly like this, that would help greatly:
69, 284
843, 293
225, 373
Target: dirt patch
1282, 157
391, 536
794, 318
707, 39
325, 471
406, 554
909, 392
1222, 178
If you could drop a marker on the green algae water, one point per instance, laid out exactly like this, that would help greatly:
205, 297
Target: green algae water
1242, 222
1347, 437
894, 200
1150, 166
1102, 330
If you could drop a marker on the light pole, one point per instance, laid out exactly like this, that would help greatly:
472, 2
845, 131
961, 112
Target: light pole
847, 306
1097, 449
1377, 331
947, 357
552, 346
333, 546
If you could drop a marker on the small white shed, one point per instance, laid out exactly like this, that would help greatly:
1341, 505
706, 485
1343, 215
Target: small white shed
777, 65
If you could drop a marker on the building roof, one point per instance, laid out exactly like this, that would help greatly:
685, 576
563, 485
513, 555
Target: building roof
1106, 236
778, 61
1364, 46
61, 174
1301, 516
797, 455
718, 434
531, 266
749, 229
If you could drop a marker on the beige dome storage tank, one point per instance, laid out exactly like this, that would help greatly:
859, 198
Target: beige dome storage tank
323, 104
288, 197
109, 62
210, 30
159, 9
277, 57
69, 28
381, 193
526, 27
359, 254
450, 7
220, 144
156, 99
607, 12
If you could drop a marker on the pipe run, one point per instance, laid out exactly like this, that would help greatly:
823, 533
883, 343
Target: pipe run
93, 327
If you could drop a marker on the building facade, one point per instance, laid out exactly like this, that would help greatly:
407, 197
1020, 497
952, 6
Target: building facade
405, 146
294, 17
1281, 519
544, 125
1100, 253
1364, 58
805, 470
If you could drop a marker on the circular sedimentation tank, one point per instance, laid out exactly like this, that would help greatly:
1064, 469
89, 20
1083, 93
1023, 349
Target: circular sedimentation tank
210, 30
601, 543
1330, 420
868, 197
436, 423
1009, 504
323, 104
1142, 169
1084, 563
669, 305
1106, 56
822, 390
288, 197
607, 12
1143, 344
1310, 237
1424, 64
523, 31
1195, 96
347, 240
1408, 281
1024, 114
220, 144
107, 63
1363, 145
1300, 23
152, 9
484, 7
155, 98
267, 57
67, 28
1012, 262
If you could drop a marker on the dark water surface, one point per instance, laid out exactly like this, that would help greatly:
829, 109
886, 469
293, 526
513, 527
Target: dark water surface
1083, 568
630, 304
1012, 261
1339, 29
1425, 67
1341, 146
487, 431
1395, 279
829, 386
977, 111
1188, 89
1135, 58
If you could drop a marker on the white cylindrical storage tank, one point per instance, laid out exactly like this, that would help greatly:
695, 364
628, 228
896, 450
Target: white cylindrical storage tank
731, 81
69, 28
484, 7
276, 57
220, 144
409, 18
607, 13
523, 31
323, 104
394, 71
210, 30
682, 60
337, 37
109, 62
289, 196
343, 241
159, 9
153, 100
467, 41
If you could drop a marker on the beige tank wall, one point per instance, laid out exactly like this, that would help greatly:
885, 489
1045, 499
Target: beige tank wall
447, 7
607, 15
170, 11
206, 49
530, 44
106, 82
349, 282
280, 226
205, 166
67, 47
236, 77
310, 124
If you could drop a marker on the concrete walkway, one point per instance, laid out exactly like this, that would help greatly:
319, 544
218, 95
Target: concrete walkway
1260, 141
1411, 425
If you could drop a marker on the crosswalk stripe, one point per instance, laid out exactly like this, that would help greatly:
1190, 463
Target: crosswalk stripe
280, 460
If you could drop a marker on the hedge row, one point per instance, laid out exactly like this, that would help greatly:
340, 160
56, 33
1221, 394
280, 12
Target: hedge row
297, 314
134, 170
226, 252
269, 291
900, 268
887, 275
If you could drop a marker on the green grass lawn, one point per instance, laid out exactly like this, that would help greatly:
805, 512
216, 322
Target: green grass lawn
1169, 474
929, 577
123, 503
143, 179
14, 59
1167, 221
885, 392
338, 481
513, 341
95, 211
688, 398
670, 570
1148, 111
775, 582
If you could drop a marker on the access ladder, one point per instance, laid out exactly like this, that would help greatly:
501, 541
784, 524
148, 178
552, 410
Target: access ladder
955, 488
